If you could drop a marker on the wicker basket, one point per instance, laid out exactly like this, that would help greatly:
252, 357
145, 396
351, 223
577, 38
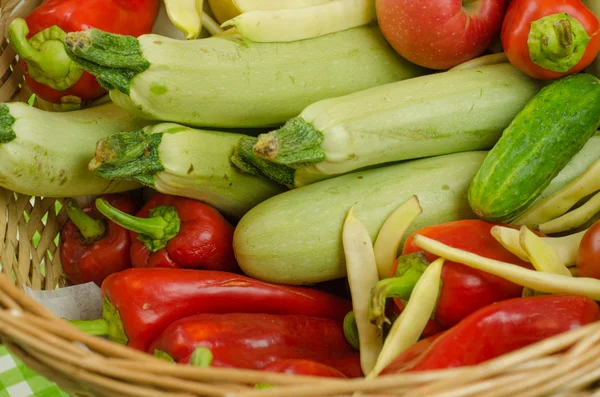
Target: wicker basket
566, 365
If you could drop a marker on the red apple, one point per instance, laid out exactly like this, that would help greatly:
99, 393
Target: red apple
440, 34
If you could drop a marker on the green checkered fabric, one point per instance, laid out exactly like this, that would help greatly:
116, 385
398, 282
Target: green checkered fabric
17, 380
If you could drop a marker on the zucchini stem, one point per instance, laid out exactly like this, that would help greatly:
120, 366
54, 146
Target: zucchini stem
114, 59
7, 133
128, 155
244, 158
297, 142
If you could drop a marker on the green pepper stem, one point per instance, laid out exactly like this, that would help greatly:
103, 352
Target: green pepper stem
163, 356
155, 231
91, 229
351, 330
201, 357
153, 227
45, 55
557, 42
409, 271
97, 327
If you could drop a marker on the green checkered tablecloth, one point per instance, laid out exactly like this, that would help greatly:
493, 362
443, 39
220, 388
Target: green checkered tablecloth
17, 380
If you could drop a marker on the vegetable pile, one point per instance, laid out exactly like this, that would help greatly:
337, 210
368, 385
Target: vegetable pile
339, 188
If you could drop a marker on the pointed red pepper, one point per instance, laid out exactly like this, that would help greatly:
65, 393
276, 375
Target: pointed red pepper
140, 303
496, 330
39, 41
464, 289
92, 247
255, 340
177, 232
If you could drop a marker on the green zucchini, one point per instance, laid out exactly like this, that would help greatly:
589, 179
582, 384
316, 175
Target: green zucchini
552, 128
228, 82
46, 153
431, 115
183, 161
296, 237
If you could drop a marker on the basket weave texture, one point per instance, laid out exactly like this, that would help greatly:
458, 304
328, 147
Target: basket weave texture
567, 365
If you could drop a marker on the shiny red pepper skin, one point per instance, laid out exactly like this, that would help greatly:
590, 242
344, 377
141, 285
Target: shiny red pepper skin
127, 17
254, 340
149, 300
496, 330
303, 367
464, 289
84, 261
204, 241
517, 26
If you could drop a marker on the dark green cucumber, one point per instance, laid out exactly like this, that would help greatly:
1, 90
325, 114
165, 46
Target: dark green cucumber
535, 147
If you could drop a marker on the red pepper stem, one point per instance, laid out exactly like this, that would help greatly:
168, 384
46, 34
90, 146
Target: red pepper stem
557, 42
97, 327
201, 357
409, 271
91, 229
45, 55
155, 231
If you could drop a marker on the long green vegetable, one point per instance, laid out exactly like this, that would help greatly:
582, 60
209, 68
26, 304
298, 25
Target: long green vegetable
430, 115
226, 81
183, 161
295, 237
46, 153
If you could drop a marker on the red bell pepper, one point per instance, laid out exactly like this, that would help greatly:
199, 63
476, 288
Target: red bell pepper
496, 330
548, 39
39, 41
588, 254
92, 248
177, 232
464, 289
303, 367
254, 340
140, 303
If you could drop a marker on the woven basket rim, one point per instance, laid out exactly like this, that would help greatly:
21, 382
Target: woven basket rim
565, 365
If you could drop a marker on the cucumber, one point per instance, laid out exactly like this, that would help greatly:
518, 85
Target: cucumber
296, 237
46, 153
178, 160
552, 128
229, 82
442, 113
